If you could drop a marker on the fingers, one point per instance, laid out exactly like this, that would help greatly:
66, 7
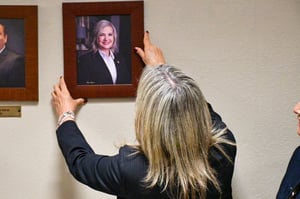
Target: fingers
62, 85
55, 91
80, 101
151, 54
59, 86
297, 108
62, 100
147, 43
59, 91
140, 52
146, 39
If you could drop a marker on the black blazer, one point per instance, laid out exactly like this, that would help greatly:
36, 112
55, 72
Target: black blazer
290, 183
122, 174
92, 70
12, 69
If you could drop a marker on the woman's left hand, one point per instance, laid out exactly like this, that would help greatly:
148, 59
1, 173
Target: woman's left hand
62, 100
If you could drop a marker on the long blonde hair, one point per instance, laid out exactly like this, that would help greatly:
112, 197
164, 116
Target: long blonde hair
174, 130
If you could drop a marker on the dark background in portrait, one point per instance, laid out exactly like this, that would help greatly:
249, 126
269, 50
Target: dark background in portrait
16, 34
85, 28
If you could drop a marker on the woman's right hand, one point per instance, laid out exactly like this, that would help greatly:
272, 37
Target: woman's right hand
62, 100
151, 55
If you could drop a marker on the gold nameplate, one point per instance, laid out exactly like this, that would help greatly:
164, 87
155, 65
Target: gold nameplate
10, 111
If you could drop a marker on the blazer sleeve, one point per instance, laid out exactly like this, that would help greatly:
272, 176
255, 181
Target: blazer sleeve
99, 172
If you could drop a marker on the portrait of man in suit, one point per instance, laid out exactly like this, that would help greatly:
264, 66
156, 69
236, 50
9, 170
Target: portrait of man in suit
103, 50
12, 63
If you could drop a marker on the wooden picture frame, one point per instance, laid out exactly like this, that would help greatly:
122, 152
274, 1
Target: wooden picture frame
79, 20
22, 32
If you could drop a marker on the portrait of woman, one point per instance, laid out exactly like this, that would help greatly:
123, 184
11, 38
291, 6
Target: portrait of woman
102, 58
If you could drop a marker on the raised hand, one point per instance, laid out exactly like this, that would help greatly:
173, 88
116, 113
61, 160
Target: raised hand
62, 100
151, 55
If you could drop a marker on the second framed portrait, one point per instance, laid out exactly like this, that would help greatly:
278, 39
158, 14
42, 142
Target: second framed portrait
99, 41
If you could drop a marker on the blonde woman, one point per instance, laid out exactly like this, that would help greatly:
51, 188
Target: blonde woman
184, 149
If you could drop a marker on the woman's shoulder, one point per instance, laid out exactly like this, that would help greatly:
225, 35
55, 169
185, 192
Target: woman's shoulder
219, 125
223, 157
129, 154
128, 151
133, 164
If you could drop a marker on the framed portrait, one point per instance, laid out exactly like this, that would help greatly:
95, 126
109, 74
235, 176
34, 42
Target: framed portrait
99, 41
18, 53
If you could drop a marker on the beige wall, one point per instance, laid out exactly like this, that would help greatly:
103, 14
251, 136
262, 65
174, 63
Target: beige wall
245, 56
